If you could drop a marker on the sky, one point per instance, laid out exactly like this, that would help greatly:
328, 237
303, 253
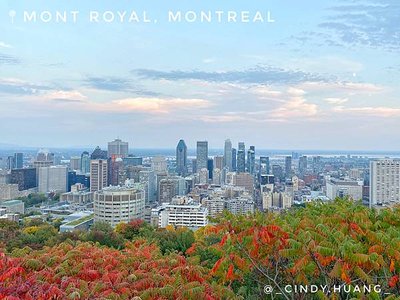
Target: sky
323, 75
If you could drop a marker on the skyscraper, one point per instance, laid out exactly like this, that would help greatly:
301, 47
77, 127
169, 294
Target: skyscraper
264, 165
85, 162
228, 155
251, 159
241, 158
18, 160
25, 178
98, 174
202, 155
75, 163
234, 161
181, 158
302, 165
218, 162
210, 167
98, 154
288, 166
118, 148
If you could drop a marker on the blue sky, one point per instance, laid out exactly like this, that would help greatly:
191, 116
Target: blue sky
324, 75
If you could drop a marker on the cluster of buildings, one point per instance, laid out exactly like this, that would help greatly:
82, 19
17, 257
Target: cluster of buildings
188, 188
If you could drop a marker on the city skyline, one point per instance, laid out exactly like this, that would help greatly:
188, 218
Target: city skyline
325, 80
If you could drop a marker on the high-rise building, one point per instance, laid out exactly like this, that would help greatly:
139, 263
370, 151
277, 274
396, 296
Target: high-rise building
228, 155
302, 165
10, 162
384, 182
194, 165
85, 162
45, 155
288, 166
210, 167
98, 154
241, 158
234, 160
116, 205
117, 171
277, 171
148, 179
53, 179
18, 160
219, 162
202, 155
159, 164
98, 174
25, 178
203, 174
251, 160
264, 165
133, 161
118, 148
75, 163
217, 177
170, 187
181, 158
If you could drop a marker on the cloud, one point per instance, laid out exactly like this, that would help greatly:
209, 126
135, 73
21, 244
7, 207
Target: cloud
65, 96
8, 60
373, 23
257, 75
223, 118
151, 105
295, 108
381, 111
355, 87
20, 87
209, 60
4, 45
116, 84
336, 101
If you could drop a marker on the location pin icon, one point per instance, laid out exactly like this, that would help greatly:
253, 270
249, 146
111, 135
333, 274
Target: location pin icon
12, 14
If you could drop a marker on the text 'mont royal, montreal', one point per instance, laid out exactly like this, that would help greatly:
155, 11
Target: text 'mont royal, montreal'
177, 16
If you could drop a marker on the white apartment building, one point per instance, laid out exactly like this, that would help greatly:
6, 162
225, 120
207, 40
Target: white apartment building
344, 188
117, 204
384, 182
181, 212
240, 206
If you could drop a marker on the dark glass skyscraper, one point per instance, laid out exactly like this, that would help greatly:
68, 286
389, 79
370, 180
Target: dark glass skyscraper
228, 155
251, 160
98, 154
181, 158
85, 162
288, 166
18, 160
234, 161
241, 158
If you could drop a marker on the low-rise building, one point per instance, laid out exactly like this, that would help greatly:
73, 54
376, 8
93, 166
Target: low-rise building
344, 188
13, 206
78, 197
78, 221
